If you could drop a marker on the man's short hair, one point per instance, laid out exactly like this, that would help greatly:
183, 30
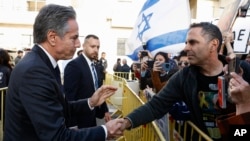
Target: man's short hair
19, 51
92, 36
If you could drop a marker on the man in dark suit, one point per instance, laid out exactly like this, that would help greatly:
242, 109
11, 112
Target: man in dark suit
35, 106
79, 82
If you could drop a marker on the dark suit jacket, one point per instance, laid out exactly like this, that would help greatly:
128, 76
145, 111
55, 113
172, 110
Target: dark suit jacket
78, 84
35, 106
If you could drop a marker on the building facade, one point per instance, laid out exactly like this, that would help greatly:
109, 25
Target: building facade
111, 20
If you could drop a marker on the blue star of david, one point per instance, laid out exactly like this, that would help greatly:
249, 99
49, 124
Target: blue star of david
144, 25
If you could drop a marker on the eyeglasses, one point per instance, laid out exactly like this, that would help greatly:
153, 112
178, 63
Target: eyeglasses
185, 63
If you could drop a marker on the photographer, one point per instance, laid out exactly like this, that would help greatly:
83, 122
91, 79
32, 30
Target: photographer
144, 55
156, 72
136, 71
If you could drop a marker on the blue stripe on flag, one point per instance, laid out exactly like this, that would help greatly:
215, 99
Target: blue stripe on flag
167, 39
148, 4
161, 41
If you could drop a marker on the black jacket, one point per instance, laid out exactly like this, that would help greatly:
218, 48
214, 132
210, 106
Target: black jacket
35, 106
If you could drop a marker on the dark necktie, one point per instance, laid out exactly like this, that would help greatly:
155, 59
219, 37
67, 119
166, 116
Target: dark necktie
58, 76
95, 76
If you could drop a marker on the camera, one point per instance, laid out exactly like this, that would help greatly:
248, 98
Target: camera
144, 53
150, 63
165, 67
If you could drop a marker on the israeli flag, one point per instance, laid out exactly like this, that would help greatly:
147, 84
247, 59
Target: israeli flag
162, 25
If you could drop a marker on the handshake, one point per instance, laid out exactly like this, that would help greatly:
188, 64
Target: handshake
116, 127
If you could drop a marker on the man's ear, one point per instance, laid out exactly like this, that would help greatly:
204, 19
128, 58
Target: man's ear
214, 44
51, 36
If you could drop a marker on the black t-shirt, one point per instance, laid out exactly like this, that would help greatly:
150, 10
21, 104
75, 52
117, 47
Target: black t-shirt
208, 96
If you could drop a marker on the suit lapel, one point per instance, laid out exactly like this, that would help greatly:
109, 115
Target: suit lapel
46, 60
59, 93
85, 64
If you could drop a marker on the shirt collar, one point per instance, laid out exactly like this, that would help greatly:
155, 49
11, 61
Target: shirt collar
52, 60
88, 60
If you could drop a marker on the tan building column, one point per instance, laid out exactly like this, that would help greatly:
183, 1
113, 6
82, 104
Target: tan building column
193, 8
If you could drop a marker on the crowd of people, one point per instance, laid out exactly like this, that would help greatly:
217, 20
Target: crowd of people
196, 85
40, 107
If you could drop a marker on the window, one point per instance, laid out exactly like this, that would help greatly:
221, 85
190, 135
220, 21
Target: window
35, 5
121, 46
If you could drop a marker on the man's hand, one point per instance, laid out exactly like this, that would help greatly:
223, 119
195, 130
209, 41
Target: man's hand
107, 117
114, 128
144, 65
126, 124
101, 95
228, 38
239, 92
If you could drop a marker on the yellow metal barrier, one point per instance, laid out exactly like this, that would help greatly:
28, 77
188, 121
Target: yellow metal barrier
2, 92
129, 101
125, 101
125, 75
149, 132
184, 130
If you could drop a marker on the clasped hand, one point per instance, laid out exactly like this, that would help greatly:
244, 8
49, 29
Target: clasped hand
116, 127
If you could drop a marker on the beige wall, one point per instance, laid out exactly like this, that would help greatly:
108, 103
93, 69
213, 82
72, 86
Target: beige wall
104, 18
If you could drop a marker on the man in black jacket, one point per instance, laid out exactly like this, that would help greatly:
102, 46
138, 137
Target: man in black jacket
196, 85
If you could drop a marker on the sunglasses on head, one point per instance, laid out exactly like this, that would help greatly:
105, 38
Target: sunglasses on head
185, 63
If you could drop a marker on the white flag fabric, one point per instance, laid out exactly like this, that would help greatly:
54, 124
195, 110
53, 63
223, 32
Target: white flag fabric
162, 25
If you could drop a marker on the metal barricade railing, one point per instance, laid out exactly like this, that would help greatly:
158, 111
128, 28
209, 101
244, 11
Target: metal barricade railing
129, 100
3, 93
149, 132
184, 130
125, 75
177, 130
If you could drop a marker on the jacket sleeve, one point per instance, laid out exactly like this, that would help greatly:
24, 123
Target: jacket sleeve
101, 110
160, 104
71, 80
